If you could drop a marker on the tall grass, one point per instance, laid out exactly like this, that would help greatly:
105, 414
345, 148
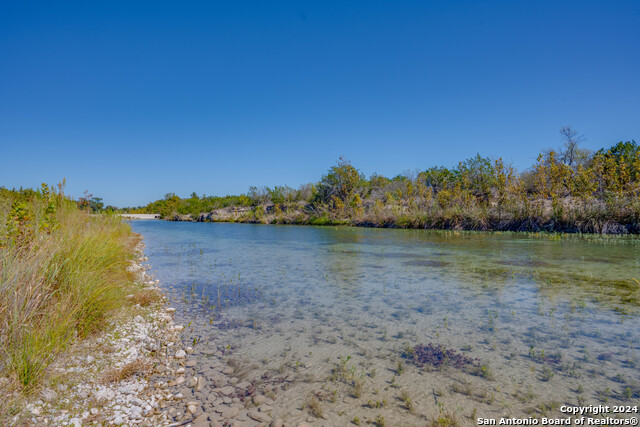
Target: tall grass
62, 271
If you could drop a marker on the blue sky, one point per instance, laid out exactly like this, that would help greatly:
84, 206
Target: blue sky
133, 99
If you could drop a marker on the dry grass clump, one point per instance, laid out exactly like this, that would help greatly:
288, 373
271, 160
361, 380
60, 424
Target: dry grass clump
445, 419
314, 406
146, 297
137, 367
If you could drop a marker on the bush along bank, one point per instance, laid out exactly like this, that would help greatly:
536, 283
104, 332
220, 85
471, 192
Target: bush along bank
566, 190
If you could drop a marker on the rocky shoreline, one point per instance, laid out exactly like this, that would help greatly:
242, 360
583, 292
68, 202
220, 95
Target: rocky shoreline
139, 372
104, 379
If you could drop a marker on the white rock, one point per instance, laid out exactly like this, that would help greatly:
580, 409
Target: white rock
47, 394
136, 412
118, 420
128, 389
180, 354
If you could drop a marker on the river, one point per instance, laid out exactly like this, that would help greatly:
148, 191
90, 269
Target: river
408, 325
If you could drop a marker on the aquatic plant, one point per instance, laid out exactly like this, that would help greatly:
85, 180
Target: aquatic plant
437, 355
314, 406
357, 387
445, 419
380, 421
405, 397
377, 404
547, 373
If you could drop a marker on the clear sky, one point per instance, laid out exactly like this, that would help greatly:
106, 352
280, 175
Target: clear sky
134, 99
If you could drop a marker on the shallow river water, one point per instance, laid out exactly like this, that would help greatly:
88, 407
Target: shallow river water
408, 327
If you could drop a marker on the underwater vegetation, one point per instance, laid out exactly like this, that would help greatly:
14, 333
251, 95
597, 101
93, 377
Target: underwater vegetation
437, 355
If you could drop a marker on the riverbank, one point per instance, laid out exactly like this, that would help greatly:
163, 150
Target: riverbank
572, 218
139, 372
598, 194
105, 379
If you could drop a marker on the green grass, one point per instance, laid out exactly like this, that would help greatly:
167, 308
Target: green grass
58, 281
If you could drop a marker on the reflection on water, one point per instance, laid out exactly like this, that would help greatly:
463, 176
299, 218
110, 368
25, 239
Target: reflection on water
341, 315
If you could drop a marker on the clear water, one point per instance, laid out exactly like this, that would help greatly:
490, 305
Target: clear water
317, 310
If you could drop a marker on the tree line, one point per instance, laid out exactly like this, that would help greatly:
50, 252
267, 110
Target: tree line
566, 189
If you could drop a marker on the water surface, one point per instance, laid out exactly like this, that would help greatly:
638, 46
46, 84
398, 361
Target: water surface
337, 313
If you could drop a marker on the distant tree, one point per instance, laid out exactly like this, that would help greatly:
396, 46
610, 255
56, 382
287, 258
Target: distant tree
277, 195
258, 195
477, 175
340, 183
96, 204
571, 154
627, 151
438, 178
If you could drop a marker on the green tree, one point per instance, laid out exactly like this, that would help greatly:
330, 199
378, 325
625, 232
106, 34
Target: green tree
478, 175
340, 183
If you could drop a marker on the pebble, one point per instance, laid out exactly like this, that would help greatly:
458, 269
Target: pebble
243, 385
230, 412
180, 354
192, 409
277, 423
259, 416
227, 390
202, 418
136, 412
